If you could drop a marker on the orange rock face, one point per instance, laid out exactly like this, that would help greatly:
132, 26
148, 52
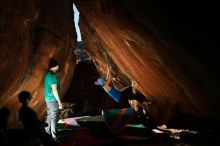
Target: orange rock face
31, 33
138, 52
115, 33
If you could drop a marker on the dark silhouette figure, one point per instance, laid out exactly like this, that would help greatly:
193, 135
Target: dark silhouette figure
27, 115
33, 127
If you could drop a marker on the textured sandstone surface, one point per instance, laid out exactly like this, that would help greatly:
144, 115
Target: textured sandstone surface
32, 32
140, 57
139, 46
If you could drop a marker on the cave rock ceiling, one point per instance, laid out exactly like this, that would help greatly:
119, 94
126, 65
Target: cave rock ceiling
136, 38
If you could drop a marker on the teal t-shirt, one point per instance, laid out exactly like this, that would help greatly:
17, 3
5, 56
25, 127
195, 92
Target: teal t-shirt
49, 80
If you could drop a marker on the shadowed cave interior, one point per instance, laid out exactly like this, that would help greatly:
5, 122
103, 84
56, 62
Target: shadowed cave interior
169, 49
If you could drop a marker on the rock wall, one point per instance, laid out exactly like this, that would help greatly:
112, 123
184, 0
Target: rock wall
144, 41
32, 31
138, 49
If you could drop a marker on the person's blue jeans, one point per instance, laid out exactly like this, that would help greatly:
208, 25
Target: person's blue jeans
52, 119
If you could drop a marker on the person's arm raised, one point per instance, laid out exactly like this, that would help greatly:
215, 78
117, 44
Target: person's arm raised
108, 80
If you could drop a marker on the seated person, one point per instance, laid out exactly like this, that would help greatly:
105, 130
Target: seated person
33, 127
120, 96
27, 115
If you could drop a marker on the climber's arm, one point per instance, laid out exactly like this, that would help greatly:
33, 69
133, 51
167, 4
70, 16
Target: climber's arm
108, 80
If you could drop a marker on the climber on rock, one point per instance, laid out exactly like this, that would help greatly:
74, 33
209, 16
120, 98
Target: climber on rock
125, 97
